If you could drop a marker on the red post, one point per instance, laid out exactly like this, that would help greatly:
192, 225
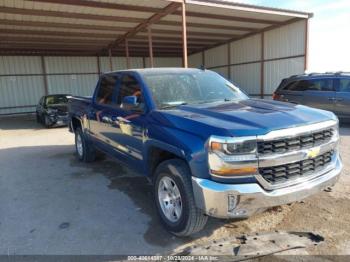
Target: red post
150, 46
184, 35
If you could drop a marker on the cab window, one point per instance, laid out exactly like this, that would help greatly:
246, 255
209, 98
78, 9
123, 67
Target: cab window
130, 86
106, 90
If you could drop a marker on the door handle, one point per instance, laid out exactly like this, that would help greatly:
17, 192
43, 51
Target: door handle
123, 120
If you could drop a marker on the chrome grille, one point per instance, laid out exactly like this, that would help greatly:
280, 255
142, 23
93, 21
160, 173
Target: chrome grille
282, 173
295, 143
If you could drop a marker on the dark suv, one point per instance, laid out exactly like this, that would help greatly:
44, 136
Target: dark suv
328, 91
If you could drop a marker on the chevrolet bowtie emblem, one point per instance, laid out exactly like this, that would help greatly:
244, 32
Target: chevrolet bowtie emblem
312, 153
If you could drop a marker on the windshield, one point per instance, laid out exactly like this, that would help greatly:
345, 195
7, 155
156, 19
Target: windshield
171, 89
56, 100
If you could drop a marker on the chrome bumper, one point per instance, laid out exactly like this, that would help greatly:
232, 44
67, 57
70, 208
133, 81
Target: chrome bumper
213, 198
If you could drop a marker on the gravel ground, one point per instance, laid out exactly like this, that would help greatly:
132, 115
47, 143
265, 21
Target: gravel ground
52, 204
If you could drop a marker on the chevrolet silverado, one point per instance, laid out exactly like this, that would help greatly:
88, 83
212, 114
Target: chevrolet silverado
208, 148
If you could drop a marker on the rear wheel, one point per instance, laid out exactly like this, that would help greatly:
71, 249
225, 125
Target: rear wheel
174, 199
84, 149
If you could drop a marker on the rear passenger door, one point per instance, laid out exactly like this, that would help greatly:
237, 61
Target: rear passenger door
317, 93
342, 101
102, 108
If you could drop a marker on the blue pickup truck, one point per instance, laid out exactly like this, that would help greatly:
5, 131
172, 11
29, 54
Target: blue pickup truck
208, 148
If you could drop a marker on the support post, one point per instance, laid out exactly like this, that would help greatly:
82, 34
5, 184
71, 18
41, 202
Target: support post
306, 44
229, 61
203, 59
127, 54
110, 59
43, 68
262, 66
98, 65
150, 46
144, 62
184, 35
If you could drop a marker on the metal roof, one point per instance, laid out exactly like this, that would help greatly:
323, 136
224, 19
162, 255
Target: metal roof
90, 27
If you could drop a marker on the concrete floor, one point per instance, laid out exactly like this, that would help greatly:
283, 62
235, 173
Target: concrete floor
52, 204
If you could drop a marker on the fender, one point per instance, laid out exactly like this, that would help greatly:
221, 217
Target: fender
184, 145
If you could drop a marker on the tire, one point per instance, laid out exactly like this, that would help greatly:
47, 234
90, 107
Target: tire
84, 149
38, 120
191, 219
47, 122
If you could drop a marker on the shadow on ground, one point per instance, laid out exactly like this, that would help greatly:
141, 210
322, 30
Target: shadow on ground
140, 190
20, 123
63, 166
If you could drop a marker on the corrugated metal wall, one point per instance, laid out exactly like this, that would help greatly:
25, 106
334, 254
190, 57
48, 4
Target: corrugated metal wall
21, 83
22, 77
275, 71
286, 42
247, 77
22, 80
284, 55
119, 63
165, 62
195, 61
71, 75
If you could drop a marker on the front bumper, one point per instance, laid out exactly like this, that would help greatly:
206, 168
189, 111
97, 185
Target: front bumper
213, 198
59, 120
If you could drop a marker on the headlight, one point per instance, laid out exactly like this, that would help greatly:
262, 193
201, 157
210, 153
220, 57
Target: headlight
233, 156
240, 148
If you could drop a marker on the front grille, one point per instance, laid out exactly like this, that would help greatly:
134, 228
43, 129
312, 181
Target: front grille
283, 173
62, 113
295, 143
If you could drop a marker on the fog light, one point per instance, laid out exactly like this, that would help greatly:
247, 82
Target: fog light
240, 212
232, 202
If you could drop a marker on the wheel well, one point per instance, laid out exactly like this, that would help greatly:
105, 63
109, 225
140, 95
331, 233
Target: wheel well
156, 156
75, 123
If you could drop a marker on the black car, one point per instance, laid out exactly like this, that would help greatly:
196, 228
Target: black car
52, 110
328, 91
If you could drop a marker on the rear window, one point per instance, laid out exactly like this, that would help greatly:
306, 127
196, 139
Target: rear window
344, 85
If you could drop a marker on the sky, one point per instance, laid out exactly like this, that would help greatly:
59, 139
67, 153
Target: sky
329, 31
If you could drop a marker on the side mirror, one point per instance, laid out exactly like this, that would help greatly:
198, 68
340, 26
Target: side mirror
130, 103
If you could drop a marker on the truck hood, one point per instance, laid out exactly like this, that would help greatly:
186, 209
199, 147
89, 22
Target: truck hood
240, 118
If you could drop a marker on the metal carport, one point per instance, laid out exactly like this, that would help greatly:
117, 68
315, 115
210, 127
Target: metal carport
61, 46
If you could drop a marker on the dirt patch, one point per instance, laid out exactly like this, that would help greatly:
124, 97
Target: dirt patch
326, 215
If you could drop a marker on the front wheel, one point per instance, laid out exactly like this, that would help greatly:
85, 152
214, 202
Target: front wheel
47, 122
38, 120
84, 149
174, 199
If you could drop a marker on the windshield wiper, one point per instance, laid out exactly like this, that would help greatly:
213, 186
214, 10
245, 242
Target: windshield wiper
167, 106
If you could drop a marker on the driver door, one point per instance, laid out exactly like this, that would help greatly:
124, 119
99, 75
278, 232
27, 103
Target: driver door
126, 128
